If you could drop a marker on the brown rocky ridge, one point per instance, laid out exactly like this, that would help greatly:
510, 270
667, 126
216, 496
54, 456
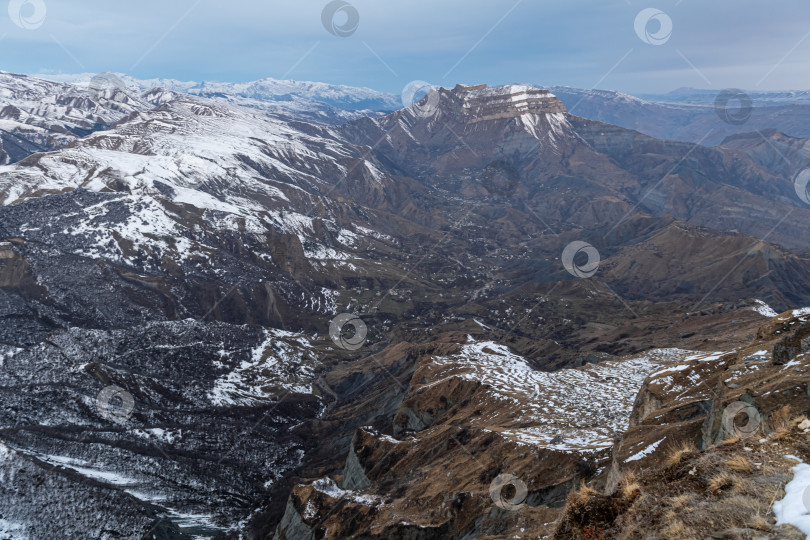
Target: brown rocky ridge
474, 414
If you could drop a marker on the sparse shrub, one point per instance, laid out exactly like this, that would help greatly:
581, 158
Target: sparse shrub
590, 514
583, 494
591, 532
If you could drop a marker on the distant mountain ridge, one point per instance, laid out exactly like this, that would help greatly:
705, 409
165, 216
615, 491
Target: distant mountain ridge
685, 114
267, 89
763, 98
691, 115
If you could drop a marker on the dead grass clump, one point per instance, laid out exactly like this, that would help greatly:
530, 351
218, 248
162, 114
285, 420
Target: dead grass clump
722, 481
746, 504
675, 529
680, 453
759, 523
780, 423
582, 495
592, 515
732, 440
740, 464
679, 501
629, 487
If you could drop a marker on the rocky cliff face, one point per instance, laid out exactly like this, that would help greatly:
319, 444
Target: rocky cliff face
459, 437
712, 443
473, 415
695, 401
481, 104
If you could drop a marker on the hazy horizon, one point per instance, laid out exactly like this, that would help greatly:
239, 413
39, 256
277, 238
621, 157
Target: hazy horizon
579, 44
87, 76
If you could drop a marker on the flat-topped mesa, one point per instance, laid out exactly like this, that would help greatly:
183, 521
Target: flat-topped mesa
481, 103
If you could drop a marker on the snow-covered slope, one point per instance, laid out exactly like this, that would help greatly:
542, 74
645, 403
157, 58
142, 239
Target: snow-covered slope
570, 410
40, 115
225, 162
46, 112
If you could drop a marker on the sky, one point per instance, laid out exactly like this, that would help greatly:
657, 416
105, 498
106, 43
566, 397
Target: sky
626, 45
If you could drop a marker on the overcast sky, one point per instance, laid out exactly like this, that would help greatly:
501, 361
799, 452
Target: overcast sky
749, 44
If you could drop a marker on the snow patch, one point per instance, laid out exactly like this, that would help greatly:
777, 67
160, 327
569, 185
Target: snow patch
792, 510
275, 364
645, 452
328, 486
764, 309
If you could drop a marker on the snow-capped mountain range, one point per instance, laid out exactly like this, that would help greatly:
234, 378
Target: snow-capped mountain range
343, 97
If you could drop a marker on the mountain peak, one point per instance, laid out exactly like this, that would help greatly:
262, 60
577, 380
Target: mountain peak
481, 103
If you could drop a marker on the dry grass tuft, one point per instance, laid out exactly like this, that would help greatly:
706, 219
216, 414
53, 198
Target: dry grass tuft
749, 505
721, 481
630, 488
679, 501
760, 523
740, 464
675, 529
732, 440
582, 495
780, 423
679, 453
